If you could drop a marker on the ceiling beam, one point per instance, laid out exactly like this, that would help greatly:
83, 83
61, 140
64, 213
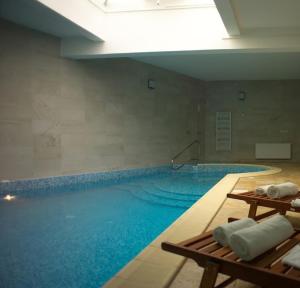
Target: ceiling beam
228, 16
84, 49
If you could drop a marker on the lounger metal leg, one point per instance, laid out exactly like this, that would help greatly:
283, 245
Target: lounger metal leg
210, 275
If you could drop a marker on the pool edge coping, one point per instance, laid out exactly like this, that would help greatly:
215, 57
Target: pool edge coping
153, 267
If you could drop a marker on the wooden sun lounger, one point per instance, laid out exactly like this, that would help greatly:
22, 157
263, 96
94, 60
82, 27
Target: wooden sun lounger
281, 205
266, 270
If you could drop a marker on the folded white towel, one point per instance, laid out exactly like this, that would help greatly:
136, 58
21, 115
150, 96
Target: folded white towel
250, 242
223, 232
282, 190
295, 203
262, 190
293, 258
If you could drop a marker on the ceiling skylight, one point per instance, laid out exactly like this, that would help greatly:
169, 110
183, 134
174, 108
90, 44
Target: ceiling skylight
143, 5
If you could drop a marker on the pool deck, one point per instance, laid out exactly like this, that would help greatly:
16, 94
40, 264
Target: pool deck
156, 269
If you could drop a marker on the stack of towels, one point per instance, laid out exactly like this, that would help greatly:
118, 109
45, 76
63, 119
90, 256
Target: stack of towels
249, 239
278, 190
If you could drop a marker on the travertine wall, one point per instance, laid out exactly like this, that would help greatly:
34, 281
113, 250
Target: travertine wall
270, 113
61, 116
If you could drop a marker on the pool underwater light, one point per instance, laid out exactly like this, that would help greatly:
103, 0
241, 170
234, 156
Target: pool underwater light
9, 197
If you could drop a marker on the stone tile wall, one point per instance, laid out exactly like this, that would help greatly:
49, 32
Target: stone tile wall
60, 116
269, 114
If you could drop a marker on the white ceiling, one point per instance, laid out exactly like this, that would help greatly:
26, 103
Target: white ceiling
258, 18
279, 16
231, 66
254, 14
146, 5
34, 15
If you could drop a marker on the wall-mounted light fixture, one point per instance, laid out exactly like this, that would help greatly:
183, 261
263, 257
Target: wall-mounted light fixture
242, 95
151, 84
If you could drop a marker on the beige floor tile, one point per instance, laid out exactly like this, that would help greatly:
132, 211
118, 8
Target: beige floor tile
157, 256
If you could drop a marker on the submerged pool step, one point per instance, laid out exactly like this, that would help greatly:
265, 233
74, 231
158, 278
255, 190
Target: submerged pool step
193, 188
143, 195
154, 190
172, 195
154, 197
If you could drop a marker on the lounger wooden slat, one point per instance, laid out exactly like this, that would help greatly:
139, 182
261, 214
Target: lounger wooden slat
211, 248
281, 205
232, 256
278, 267
293, 272
222, 252
200, 244
266, 271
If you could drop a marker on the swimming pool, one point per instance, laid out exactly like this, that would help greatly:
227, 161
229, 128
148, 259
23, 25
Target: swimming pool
79, 235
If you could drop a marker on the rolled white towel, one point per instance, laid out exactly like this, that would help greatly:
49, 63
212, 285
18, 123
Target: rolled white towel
250, 242
295, 203
282, 190
223, 232
293, 258
262, 190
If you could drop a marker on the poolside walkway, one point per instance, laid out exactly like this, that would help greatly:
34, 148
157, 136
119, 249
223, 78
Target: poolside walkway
190, 274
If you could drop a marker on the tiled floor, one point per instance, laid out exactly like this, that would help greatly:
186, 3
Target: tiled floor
190, 275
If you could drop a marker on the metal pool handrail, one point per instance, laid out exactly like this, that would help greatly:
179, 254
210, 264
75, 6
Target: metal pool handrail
181, 152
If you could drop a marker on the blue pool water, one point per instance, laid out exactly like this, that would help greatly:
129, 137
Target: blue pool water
81, 235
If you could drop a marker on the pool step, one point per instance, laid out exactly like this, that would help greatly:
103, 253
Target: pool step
143, 195
180, 194
153, 190
172, 195
154, 197
196, 187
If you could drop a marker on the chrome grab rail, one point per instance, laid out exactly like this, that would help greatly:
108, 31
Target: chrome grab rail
181, 152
